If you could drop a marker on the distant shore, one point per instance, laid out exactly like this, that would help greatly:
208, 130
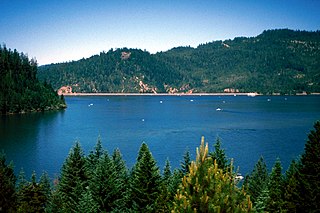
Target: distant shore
176, 94
159, 94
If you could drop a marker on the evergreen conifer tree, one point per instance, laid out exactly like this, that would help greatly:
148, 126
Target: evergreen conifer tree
145, 181
105, 186
31, 197
275, 189
123, 194
310, 172
292, 187
261, 201
45, 185
22, 181
7, 186
73, 178
165, 198
167, 172
186, 162
93, 158
87, 203
207, 188
219, 155
257, 180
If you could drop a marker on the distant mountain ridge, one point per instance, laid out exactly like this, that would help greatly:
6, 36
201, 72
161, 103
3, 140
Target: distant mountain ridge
277, 61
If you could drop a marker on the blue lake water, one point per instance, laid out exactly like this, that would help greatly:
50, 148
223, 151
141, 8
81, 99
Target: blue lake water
275, 126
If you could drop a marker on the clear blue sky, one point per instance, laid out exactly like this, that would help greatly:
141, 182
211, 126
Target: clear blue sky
60, 30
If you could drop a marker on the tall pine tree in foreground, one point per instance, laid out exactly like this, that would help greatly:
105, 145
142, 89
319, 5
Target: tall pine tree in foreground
122, 196
275, 189
207, 188
257, 181
186, 162
32, 196
94, 157
145, 182
310, 172
73, 179
292, 186
219, 155
105, 185
7, 186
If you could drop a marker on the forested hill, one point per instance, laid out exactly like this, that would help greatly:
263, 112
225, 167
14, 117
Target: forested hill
20, 90
276, 61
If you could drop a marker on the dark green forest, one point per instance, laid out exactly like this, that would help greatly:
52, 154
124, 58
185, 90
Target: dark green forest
101, 182
276, 61
20, 90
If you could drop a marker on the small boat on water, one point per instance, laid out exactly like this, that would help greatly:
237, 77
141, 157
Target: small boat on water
218, 109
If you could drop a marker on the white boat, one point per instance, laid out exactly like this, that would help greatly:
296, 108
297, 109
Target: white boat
218, 109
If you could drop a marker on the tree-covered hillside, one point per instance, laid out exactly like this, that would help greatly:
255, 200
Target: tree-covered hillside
120, 70
20, 90
276, 61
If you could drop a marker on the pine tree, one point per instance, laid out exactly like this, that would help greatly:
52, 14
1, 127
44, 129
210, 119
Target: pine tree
310, 172
292, 187
275, 189
207, 188
257, 180
186, 162
7, 186
93, 157
219, 155
105, 186
165, 198
87, 203
45, 185
31, 197
122, 182
167, 172
73, 178
261, 202
22, 181
145, 181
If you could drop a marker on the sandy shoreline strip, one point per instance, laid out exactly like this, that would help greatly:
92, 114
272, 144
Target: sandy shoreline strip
157, 94
176, 94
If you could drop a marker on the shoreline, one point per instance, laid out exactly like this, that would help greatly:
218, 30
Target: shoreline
250, 94
160, 94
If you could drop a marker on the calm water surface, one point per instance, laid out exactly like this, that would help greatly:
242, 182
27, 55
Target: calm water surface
248, 127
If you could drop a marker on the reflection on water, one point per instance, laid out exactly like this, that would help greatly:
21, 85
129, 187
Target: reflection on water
23, 138
248, 127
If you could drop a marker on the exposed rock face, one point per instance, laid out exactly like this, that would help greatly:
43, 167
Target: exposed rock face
144, 88
125, 55
65, 90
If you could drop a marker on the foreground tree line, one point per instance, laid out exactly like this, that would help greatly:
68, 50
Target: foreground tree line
101, 182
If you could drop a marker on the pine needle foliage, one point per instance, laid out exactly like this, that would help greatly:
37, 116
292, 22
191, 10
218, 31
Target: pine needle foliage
145, 181
257, 181
310, 171
207, 188
73, 178
7, 185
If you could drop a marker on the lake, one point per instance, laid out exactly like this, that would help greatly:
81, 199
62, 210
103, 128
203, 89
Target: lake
271, 126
